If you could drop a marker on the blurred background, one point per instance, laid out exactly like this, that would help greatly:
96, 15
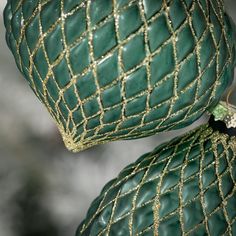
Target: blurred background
44, 189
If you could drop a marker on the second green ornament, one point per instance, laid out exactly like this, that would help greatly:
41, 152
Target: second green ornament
185, 187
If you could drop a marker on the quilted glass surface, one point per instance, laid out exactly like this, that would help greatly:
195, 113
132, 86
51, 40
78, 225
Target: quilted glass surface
184, 187
122, 69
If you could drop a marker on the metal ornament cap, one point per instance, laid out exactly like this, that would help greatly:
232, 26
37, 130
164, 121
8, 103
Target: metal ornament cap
225, 112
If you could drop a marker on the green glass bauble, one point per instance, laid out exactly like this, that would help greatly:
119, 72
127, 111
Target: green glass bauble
122, 69
184, 187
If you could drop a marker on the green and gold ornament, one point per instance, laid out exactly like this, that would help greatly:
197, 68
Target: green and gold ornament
184, 187
123, 69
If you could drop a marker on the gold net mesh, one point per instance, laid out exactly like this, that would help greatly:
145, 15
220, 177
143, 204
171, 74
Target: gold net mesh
121, 69
185, 187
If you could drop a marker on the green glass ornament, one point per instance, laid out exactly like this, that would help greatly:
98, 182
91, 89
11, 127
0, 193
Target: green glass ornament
122, 69
184, 187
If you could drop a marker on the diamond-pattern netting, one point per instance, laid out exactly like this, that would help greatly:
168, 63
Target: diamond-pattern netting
120, 69
184, 187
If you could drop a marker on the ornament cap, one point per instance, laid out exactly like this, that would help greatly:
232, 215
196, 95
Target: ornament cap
226, 113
